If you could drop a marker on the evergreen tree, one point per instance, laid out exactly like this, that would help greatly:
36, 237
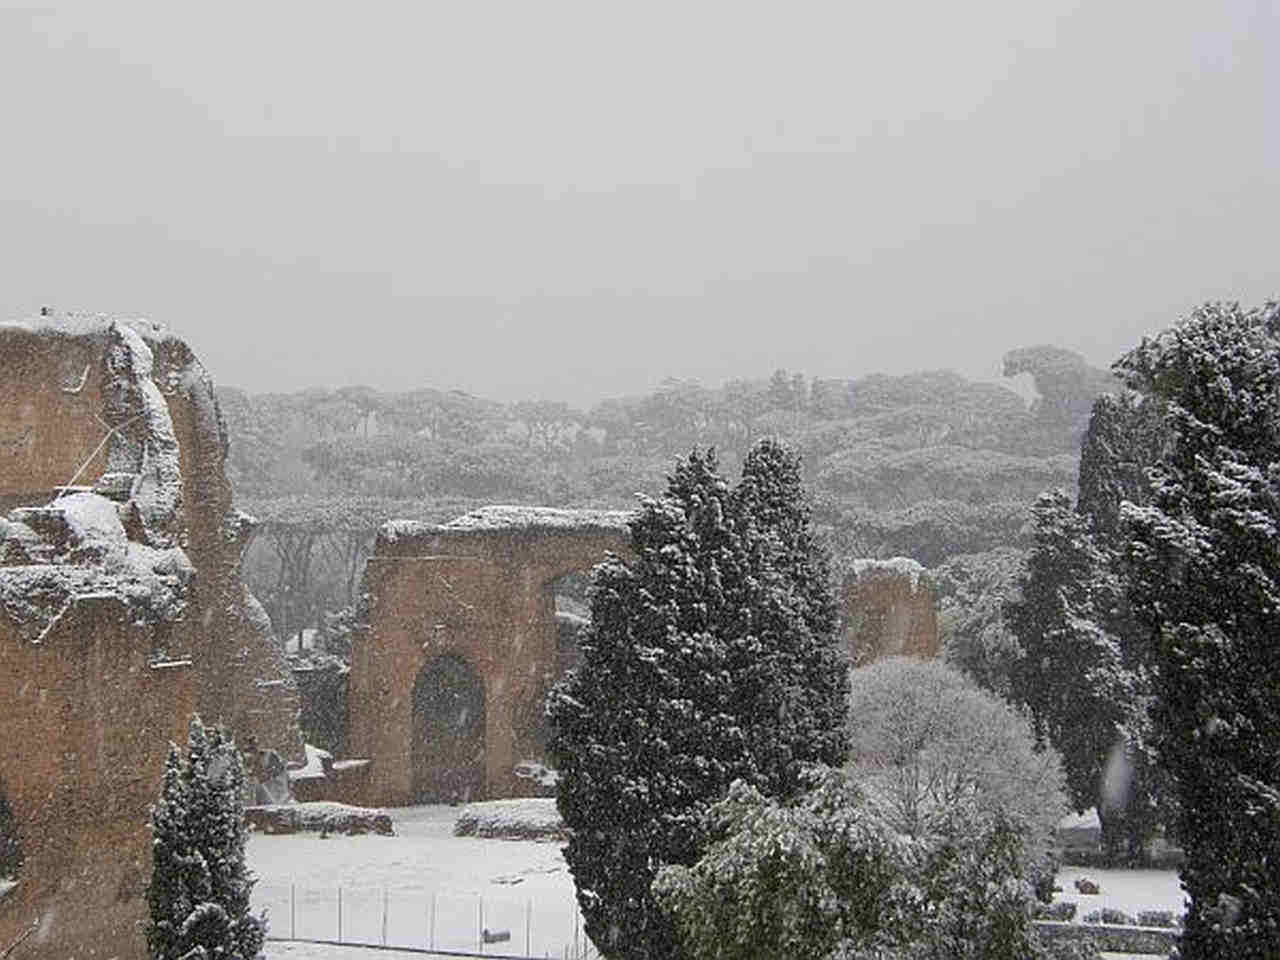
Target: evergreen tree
1064, 649
1204, 569
1125, 438
701, 666
200, 884
1084, 671
808, 667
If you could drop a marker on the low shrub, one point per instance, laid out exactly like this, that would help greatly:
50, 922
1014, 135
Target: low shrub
1044, 877
1062, 911
1112, 916
532, 818
1157, 918
1068, 950
831, 876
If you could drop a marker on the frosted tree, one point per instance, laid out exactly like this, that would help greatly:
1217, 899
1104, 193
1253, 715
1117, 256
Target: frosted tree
701, 667
200, 884
1204, 564
1072, 673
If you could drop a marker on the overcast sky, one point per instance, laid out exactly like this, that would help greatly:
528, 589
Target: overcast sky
576, 200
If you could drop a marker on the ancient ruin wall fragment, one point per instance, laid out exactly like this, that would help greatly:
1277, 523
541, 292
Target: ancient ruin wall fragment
121, 613
475, 596
889, 608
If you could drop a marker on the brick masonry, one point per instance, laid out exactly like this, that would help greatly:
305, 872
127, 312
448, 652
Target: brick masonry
112, 631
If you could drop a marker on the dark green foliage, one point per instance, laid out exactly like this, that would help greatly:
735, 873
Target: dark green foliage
200, 885
1125, 438
322, 693
972, 591
1064, 648
10, 843
709, 659
1062, 911
827, 876
1204, 571
1110, 915
1082, 673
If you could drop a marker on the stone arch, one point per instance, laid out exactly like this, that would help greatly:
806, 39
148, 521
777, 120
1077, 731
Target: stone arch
447, 737
482, 588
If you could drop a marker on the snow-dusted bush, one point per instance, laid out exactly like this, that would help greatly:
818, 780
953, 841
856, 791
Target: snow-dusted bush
830, 876
1110, 915
200, 885
534, 818
926, 741
1062, 911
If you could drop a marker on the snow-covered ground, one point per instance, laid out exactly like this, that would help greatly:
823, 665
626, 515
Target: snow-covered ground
440, 890
1129, 890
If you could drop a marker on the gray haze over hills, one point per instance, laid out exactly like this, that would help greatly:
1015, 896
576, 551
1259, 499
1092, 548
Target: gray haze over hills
572, 201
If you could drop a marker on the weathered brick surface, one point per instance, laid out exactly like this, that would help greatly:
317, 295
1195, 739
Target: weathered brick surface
88, 712
87, 722
889, 608
483, 593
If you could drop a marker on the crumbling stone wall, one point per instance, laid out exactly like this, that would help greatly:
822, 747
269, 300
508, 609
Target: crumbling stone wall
889, 608
88, 716
481, 589
119, 557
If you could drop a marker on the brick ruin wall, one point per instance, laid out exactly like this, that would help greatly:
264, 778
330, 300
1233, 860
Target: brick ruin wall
480, 589
87, 723
107, 591
889, 608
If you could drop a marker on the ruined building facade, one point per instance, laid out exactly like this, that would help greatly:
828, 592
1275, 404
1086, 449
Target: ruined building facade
460, 646
121, 612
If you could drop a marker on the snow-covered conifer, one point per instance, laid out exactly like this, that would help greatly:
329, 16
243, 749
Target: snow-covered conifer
200, 884
1204, 565
701, 666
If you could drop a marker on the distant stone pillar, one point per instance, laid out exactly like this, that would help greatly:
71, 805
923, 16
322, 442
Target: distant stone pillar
889, 608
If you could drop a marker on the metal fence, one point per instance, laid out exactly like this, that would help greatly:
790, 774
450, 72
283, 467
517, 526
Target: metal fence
440, 920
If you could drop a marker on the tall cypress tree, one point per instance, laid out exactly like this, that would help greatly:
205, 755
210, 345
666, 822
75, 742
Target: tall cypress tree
1204, 564
700, 667
200, 884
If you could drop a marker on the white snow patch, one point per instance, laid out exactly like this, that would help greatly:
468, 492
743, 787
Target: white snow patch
79, 323
508, 518
314, 767
91, 517
541, 518
308, 641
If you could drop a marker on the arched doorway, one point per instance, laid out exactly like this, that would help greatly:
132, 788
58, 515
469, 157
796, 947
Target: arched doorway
448, 732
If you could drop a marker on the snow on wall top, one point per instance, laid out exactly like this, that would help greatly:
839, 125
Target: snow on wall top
508, 519
74, 323
895, 566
